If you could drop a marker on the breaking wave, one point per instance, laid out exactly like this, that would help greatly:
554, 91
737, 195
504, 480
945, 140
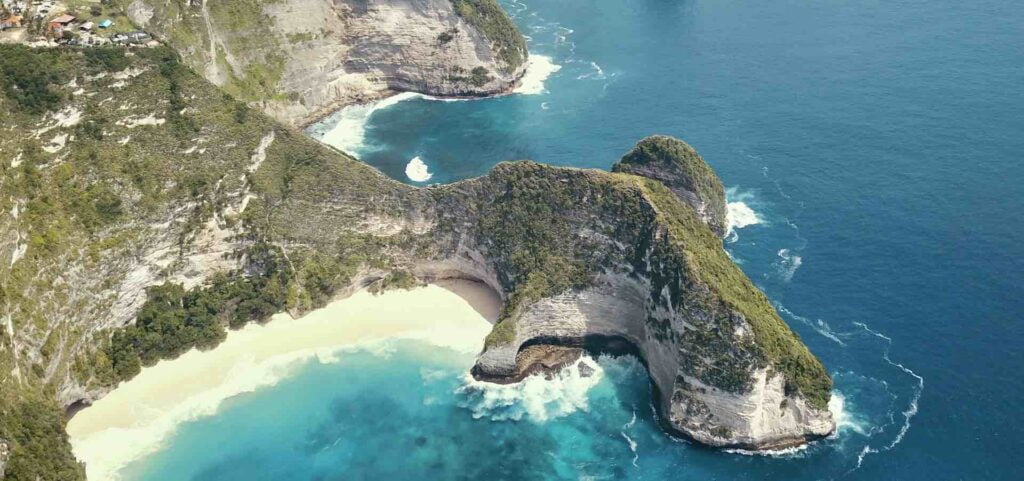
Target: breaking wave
738, 214
417, 171
538, 69
535, 398
346, 128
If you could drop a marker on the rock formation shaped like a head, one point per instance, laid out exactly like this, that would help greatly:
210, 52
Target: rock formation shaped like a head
682, 170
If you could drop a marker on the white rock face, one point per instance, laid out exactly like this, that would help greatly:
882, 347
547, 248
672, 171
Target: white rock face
323, 54
764, 417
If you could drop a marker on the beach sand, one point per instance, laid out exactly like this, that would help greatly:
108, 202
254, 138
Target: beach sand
135, 419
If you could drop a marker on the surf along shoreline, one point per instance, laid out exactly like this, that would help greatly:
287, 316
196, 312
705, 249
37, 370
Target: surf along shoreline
344, 128
140, 415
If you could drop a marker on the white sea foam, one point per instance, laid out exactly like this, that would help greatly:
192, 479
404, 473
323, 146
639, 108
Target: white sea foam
346, 128
738, 214
632, 447
795, 451
912, 407
845, 420
596, 73
538, 69
632, 443
417, 171
535, 398
787, 264
821, 327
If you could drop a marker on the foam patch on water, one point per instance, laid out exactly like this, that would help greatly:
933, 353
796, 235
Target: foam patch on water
417, 171
912, 406
738, 213
535, 398
845, 419
796, 451
596, 73
346, 128
787, 264
632, 443
820, 326
538, 69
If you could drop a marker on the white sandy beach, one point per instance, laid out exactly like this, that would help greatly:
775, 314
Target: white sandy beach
134, 419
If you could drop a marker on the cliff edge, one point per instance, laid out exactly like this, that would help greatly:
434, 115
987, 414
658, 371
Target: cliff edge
300, 59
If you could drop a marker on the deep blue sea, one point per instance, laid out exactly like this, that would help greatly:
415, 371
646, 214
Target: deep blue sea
872, 148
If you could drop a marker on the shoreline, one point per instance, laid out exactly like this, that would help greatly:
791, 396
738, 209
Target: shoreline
517, 86
136, 418
343, 128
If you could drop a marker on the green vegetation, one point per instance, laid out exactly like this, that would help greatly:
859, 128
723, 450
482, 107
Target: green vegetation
678, 165
87, 207
399, 279
301, 37
479, 77
489, 18
33, 426
110, 59
707, 261
27, 77
447, 36
174, 320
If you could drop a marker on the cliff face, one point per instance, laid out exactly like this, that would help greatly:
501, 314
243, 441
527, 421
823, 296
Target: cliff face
300, 59
584, 253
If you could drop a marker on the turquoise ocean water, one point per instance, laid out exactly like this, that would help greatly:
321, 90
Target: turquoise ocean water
873, 150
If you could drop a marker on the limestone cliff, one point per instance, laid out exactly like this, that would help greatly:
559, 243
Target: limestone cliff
143, 213
300, 59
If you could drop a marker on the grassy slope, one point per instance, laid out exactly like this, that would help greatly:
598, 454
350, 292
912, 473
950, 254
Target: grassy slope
709, 263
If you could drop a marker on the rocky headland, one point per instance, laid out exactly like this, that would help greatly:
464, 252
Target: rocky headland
144, 212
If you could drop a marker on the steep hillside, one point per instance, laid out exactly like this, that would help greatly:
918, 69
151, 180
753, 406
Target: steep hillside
300, 59
144, 212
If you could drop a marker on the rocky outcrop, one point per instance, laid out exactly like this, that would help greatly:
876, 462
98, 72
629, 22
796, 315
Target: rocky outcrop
583, 253
681, 169
652, 275
300, 59
252, 218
